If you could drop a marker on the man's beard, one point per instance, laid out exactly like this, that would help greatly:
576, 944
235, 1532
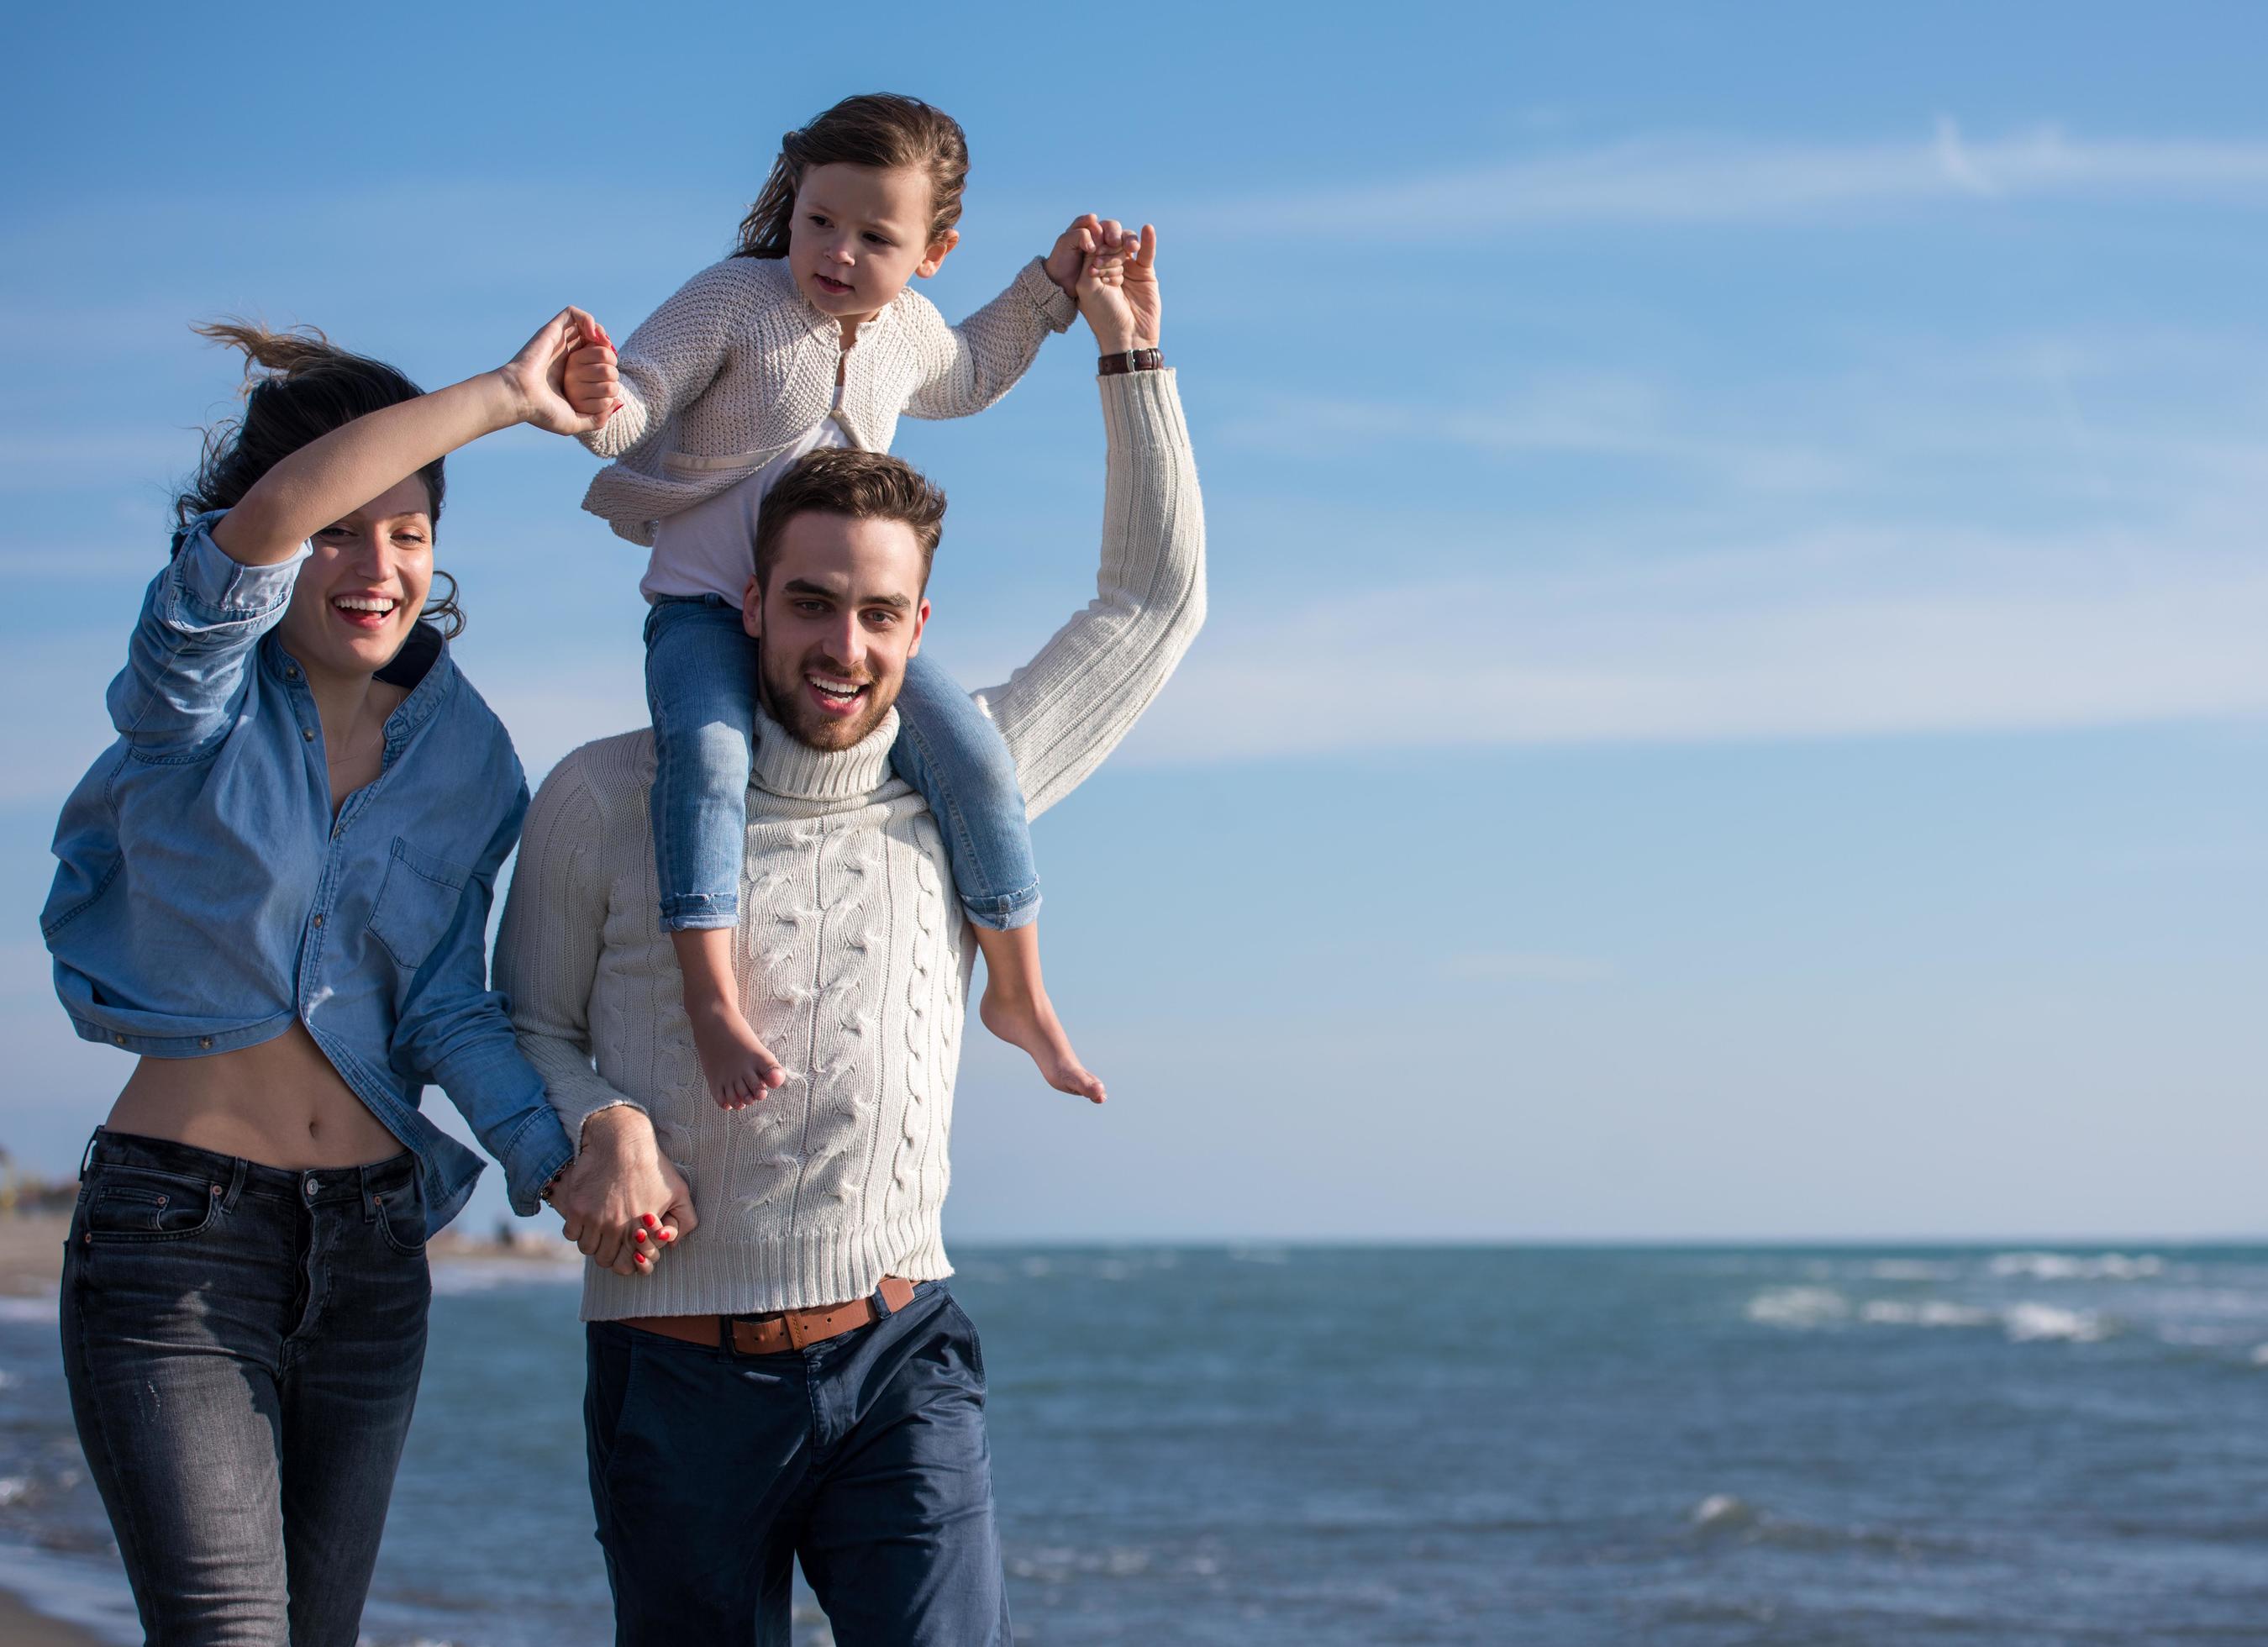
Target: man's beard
782, 687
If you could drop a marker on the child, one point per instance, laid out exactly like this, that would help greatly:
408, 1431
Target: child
809, 336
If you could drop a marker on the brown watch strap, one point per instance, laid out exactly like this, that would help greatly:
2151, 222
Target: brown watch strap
1132, 360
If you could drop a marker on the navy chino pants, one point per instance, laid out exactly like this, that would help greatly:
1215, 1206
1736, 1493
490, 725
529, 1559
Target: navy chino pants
865, 1457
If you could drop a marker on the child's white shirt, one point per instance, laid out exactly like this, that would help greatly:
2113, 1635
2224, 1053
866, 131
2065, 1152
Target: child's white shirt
710, 548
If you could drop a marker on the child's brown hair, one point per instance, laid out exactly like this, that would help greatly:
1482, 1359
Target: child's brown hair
876, 128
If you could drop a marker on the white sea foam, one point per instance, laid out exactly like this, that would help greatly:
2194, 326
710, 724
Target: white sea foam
2260, 1355
31, 1312
1798, 1307
1925, 1312
2076, 1267
1911, 1270
1720, 1511
2032, 1323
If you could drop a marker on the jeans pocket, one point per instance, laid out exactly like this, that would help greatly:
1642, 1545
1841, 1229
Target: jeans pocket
402, 1222
128, 1205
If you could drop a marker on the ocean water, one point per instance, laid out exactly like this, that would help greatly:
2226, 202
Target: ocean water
1682, 1445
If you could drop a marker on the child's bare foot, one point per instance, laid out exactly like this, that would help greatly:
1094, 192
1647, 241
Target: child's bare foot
1016, 1009
739, 1068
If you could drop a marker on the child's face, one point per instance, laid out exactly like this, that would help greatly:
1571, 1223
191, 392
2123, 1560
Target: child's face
859, 235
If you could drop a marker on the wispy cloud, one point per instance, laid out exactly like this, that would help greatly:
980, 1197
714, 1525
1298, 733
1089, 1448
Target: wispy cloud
1701, 179
1834, 635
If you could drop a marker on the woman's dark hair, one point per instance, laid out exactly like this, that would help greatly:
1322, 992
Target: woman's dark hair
299, 387
876, 128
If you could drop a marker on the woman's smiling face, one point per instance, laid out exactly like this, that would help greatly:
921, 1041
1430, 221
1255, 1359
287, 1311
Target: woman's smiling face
860, 234
363, 586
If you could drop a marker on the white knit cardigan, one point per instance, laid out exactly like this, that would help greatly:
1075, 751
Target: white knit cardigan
731, 370
853, 955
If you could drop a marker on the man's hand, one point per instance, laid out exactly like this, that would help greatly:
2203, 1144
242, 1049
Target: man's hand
622, 1201
1118, 290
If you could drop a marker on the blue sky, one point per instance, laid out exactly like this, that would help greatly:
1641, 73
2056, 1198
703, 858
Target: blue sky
1735, 703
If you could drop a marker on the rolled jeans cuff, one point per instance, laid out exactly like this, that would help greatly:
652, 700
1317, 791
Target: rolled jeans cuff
1006, 913
699, 911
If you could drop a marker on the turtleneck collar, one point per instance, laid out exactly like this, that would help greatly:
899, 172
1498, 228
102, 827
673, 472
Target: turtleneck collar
785, 765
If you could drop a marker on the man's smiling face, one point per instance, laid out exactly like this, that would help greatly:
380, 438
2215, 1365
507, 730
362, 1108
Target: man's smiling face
840, 612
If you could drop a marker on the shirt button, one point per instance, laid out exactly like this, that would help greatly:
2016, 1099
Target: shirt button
290, 673
307, 733
318, 920
120, 1038
205, 1041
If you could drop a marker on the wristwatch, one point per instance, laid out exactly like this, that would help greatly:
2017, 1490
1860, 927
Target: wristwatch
1132, 360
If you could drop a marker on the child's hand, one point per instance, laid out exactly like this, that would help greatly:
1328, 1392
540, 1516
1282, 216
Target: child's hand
1085, 235
592, 386
537, 376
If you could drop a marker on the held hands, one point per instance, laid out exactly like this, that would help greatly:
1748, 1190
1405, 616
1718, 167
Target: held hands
1117, 288
622, 1201
557, 380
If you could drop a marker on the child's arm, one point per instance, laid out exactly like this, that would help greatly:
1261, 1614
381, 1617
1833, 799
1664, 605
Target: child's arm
675, 353
966, 368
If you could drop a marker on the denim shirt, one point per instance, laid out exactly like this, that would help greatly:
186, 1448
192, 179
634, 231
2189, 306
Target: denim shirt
205, 895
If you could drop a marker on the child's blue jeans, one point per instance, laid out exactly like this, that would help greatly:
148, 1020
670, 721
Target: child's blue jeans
700, 688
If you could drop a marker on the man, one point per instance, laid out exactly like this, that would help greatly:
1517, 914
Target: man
792, 1379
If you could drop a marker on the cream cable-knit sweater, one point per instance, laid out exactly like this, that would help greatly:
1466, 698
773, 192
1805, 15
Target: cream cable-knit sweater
725, 375
854, 955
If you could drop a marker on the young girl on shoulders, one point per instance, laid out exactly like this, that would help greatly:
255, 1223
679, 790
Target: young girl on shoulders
809, 335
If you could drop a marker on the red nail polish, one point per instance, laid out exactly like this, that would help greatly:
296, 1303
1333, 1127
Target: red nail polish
638, 1235
651, 1220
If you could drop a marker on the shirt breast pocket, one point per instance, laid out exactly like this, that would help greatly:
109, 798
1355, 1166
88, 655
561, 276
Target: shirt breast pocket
415, 903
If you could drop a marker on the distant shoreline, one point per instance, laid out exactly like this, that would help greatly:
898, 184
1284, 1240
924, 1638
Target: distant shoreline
23, 1627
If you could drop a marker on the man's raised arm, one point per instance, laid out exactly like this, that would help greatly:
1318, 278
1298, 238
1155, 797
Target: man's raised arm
1067, 709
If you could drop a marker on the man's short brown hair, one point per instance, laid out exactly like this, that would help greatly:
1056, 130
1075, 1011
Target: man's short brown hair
863, 486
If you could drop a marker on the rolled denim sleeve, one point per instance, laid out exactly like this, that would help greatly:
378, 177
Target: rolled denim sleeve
455, 1030
188, 660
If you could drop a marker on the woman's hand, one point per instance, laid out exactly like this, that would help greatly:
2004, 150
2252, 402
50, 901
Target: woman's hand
1118, 289
621, 1201
550, 396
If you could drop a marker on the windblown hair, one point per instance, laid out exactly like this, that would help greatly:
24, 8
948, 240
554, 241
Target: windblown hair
863, 486
876, 128
299, 387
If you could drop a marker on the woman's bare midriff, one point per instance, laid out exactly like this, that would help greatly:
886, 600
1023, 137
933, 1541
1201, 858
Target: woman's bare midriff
280, 1104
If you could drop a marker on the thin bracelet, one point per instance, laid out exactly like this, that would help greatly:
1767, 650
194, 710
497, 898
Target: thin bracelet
1131, 360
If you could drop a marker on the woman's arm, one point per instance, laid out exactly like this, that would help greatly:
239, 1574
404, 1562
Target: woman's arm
453, 1029
343, 470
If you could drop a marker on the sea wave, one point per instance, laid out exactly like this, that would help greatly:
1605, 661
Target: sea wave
453, 1277
2076, 1267
1729, 1517
1804, 1308
30, 1311
1799, 1307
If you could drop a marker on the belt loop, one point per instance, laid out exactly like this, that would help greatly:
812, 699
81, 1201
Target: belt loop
238, 1171
368, 1200
882, 1311
87, 1154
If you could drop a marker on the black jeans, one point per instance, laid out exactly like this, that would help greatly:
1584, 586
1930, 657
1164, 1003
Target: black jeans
863, 1456
243, 1345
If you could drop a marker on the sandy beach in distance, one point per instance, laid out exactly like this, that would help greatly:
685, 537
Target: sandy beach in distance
31, 1262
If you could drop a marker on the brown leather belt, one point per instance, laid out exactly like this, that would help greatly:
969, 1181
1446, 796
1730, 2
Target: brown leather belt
787, 1329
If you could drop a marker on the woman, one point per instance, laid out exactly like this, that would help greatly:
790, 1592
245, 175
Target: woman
275, 887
